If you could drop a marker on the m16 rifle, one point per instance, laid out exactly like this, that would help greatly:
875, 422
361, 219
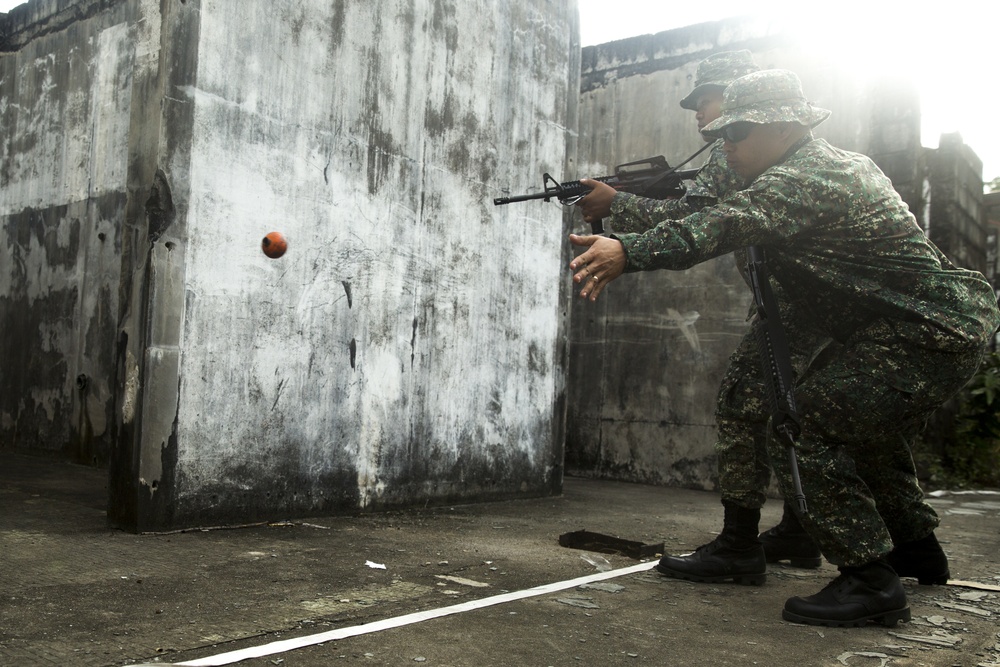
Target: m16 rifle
652, 178
776, 363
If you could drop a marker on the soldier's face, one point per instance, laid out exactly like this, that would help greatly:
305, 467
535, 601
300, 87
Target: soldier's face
751, 148
709, 107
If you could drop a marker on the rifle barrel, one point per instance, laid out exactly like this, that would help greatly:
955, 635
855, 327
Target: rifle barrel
500, 201
569, 189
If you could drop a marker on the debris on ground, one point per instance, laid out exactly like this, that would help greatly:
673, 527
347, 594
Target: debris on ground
590, 541
583, 603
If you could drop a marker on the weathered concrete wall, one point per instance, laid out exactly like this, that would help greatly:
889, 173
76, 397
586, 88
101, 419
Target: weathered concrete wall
647, 359
410, 346
65, 99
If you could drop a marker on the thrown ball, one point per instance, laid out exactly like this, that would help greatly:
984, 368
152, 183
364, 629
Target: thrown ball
274, 245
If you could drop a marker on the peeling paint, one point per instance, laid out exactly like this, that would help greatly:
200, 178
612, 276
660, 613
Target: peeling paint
131, 389
392, 356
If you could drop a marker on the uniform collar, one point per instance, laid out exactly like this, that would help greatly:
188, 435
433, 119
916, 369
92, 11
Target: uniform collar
805, 139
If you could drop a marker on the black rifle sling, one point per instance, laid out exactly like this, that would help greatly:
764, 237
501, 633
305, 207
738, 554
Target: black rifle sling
776, 363
669, 172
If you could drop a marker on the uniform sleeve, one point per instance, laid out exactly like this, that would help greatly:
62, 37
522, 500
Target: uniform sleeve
634, 214
631, 213
770, 212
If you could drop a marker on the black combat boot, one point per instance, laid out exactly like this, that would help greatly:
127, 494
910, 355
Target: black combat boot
735, 555
869, 593
790, 541
922, 559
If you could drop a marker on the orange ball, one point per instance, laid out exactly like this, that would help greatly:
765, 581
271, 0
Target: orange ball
274, 245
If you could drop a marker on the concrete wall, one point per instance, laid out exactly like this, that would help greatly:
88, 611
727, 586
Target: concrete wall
65, 103
409, 347
647, 359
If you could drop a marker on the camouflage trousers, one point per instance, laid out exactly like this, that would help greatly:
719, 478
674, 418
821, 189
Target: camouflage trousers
742, 410
860, 404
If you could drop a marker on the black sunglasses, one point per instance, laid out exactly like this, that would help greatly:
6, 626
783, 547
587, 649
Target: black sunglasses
736, 132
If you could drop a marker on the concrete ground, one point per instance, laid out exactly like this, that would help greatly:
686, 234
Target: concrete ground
75, 592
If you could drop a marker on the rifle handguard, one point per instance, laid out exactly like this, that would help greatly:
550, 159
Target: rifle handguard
652, 178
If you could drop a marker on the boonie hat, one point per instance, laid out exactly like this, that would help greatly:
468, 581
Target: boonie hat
767, 96
718, 71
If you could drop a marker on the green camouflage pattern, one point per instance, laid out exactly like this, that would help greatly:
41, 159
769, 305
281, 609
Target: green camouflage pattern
631, 213
767, 96
859, 413
719, 70
742, 410
897, 330
843, 245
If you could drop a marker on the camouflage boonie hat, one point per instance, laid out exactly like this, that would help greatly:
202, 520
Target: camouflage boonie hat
718, 71
768, 96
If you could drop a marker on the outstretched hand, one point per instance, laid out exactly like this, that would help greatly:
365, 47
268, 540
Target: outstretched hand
603, 261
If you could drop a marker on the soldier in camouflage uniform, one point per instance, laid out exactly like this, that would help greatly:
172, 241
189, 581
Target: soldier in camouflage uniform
911, 330
631, 213
742, 412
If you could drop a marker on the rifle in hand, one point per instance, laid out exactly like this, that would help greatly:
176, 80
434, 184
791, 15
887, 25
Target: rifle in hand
776, 363
652, 178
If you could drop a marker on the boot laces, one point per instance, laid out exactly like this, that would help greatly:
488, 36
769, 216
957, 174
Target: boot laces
840, 582
711, 547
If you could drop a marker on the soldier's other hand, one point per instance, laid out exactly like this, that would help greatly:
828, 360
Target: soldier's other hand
603, 261
596, 205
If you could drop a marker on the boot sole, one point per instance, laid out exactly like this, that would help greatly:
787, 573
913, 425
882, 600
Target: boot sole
889, 619
743, 579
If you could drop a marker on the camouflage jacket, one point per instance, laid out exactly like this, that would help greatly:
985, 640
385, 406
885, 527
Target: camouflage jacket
631, 213
844, 247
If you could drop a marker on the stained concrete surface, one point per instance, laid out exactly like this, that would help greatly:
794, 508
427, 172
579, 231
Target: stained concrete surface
74, 592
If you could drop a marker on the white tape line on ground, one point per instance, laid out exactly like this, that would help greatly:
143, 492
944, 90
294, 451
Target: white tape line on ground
311, 640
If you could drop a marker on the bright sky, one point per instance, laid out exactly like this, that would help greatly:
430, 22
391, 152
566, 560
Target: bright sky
950, 49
